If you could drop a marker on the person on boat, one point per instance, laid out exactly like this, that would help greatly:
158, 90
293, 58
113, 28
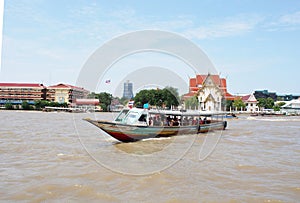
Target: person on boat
150, 121
171, 122
194, 122
158, 121
175, 121
185, 121
168, 121
190, 121
154, 121
201, 121
197, 121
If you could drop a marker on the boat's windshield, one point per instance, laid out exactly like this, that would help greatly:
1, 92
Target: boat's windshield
122, 115
131, 117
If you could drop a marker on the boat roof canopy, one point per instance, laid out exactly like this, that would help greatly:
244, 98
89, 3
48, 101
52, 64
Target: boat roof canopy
177, 113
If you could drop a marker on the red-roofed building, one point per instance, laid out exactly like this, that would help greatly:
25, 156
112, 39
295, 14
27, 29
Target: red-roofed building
250, 102
210, 90
197, 83
19, 92
65, 93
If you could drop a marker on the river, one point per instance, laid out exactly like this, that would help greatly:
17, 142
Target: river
58, 157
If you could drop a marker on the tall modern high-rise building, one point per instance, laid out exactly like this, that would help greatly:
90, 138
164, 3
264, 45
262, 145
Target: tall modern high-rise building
128, 90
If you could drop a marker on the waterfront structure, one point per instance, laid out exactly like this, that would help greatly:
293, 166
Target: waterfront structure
211, 91
128, 90
287, 97
291, 107
251, 103
64, 93
87, 104
210, 95
16, 93
265, 94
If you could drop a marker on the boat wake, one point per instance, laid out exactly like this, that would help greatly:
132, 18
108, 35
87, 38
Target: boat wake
275, 119
156, 139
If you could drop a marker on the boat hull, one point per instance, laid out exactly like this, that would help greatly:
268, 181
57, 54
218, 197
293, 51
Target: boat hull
131, 133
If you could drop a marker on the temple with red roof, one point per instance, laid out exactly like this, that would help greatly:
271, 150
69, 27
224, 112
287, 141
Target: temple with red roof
197, 83
210, 90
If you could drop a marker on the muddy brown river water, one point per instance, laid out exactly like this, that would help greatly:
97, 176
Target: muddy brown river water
58, 157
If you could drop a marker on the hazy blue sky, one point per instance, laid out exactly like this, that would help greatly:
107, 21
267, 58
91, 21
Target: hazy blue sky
255, 44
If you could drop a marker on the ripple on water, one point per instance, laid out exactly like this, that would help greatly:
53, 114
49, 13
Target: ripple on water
43, 160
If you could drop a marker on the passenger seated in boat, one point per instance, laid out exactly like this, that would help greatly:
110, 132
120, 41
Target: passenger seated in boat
150, 121
168, 121
171, 122
158, 121
185, 121
197, 121
175, 122
194, 122
154, 121
201, 121
190, 121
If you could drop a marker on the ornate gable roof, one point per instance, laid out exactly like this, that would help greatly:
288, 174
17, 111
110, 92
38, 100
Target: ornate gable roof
209, 98
249, 98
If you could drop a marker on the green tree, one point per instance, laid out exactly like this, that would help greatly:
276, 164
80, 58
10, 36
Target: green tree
37, 104
170, 97
192, 103
281, 104
64, 105
239, 104
228, 104
278, 106
26, 106
267, 103
105, 100
9, 106
166, 97
40, 104
143, 97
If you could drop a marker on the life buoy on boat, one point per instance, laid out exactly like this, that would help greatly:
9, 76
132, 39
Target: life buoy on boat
225, 125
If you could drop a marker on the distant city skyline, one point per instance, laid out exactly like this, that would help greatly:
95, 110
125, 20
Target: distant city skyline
254, 44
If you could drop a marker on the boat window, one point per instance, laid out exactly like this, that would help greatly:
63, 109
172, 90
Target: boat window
131, 117
143, 118
122, 115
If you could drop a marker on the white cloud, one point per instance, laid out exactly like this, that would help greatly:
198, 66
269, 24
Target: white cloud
285, 22
228, 27
290, 19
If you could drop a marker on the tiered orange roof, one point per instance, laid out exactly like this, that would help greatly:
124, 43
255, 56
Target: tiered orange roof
197, 82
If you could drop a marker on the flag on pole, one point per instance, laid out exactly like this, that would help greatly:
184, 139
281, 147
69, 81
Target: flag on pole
130, 104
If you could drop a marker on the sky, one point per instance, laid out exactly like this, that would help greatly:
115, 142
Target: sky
254, 44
